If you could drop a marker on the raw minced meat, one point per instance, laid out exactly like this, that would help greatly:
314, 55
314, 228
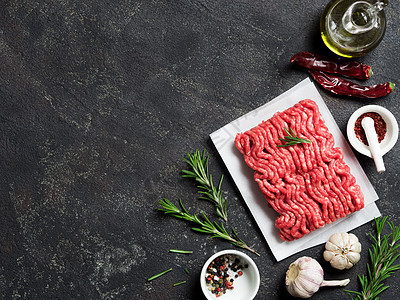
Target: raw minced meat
308, 185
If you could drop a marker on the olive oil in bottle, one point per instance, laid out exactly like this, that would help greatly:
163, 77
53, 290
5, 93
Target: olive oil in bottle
352, 28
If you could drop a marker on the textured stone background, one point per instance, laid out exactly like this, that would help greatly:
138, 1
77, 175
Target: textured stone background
99, 102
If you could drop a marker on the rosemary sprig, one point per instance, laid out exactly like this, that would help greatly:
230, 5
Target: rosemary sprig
383, 253
292, 138
199, 164
203, 226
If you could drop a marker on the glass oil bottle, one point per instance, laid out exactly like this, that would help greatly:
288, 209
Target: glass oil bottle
352, 28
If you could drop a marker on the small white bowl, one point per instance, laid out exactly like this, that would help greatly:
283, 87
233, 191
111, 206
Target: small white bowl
245, 286
392, 129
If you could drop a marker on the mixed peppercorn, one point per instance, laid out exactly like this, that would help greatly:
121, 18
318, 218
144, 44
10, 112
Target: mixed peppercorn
222, 272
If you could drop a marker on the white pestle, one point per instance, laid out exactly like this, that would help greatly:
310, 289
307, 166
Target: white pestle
368, 124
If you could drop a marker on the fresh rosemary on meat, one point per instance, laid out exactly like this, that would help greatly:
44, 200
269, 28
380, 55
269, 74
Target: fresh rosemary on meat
203, 225
292, 139
383, 254
199, 164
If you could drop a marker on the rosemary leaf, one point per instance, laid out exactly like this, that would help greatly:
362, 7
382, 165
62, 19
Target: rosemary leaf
383, 254
159, 274
180, 251
179, 283
199, 164
200, 230
204, 226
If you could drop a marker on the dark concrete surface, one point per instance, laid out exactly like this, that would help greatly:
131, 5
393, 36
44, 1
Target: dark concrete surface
99, 102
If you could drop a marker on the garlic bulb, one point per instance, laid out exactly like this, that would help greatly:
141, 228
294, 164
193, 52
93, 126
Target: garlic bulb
342, 250
305, 276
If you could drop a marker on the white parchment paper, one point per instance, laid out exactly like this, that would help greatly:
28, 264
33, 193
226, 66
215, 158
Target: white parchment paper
242, 175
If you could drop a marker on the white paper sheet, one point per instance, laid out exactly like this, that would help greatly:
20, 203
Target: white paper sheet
242, 175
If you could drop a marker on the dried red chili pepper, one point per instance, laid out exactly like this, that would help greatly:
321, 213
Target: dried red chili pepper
317, 62
340, 86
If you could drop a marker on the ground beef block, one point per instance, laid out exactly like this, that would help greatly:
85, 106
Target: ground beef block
308, 185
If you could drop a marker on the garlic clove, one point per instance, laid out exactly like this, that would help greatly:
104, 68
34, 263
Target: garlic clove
356, 247
345, 241
353, 257
296, 291
328, 255
349, 264
336, 239
352, 238
332, 247
339, 262
307, 286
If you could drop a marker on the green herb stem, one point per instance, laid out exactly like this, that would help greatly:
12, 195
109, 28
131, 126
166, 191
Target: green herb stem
180, 251
292, 139
203, 226
159, 274
179, 283
383, 254
210, 192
